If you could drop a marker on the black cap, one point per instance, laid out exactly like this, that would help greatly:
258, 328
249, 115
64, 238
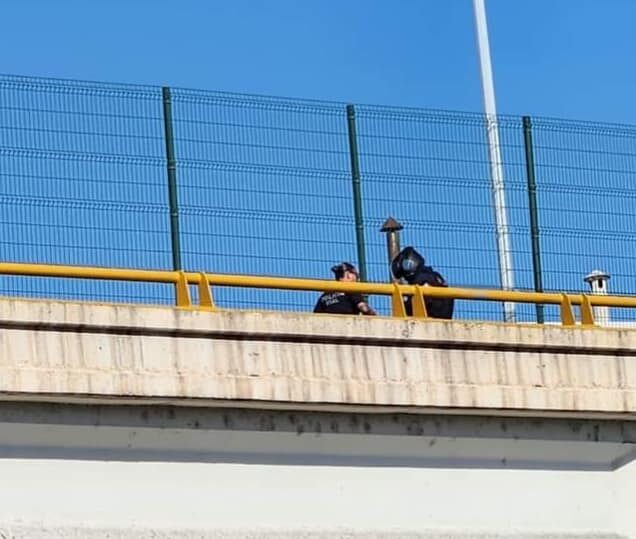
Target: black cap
340, 269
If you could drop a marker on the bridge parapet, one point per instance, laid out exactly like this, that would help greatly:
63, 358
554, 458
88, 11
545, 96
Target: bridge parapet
56, 350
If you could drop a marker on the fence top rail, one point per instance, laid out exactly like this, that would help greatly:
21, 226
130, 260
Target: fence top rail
316, 285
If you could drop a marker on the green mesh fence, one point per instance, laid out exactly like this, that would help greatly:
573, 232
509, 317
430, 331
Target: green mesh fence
431, 169
587, 197
82, 183
264, 187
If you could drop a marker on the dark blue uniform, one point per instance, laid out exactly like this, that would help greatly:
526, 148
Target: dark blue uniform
338, 303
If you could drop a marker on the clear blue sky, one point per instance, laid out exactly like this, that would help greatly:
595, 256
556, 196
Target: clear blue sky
570, 59
567, 58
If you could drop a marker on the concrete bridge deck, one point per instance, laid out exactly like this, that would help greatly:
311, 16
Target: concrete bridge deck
158, 422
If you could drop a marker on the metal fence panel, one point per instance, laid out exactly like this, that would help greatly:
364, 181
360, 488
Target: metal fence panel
264, 187
83, 181
430, 169
585, 174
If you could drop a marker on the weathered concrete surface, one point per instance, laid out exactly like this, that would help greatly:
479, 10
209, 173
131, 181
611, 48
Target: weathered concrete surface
128, 421
61, 350
155, 471
252, 436
20, 531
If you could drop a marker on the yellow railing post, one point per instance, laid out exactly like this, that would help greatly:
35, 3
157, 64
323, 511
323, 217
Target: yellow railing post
419, 306
397, 303
183, 291
587, 314
567, 316
205, 294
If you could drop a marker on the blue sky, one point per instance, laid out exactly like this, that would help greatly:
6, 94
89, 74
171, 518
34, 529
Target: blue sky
562, 58
568, 59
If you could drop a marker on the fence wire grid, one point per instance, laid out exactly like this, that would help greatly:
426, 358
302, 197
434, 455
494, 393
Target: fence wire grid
264, 186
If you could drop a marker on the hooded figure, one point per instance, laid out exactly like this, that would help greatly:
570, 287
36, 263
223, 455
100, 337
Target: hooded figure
410, 266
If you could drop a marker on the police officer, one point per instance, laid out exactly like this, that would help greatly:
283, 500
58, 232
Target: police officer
342, 302
411, 266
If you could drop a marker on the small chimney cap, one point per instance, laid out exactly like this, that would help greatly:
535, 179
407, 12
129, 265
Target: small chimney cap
596, 275
391, 225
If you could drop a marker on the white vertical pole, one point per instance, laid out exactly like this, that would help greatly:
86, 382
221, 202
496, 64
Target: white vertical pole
496, 167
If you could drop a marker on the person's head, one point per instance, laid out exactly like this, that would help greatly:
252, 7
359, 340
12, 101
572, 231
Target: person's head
345, 272
407, 264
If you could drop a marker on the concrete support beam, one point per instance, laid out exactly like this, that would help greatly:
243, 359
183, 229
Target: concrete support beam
134, 433
165, 472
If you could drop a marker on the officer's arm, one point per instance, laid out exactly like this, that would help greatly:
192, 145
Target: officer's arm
366, 309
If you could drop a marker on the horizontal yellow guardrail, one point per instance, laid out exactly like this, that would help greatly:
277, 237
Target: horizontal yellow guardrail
181, 280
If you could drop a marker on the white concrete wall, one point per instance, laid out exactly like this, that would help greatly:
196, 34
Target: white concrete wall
66, 474
625, 497
64, 349
234, 500
73, 497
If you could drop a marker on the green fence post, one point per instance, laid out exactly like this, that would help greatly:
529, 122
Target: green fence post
534, 217
172, 179
357, 196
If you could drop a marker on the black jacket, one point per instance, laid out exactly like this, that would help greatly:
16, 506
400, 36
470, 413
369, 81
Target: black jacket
435, 307
410, 266
338, 303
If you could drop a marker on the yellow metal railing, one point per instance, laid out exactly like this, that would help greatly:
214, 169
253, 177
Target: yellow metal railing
205, 281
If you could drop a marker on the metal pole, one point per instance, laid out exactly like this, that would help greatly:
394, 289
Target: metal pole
357, 197
496, 168
534, 217
392, 229
172, 179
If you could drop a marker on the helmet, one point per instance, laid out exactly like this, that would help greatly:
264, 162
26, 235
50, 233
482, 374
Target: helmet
407, 263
